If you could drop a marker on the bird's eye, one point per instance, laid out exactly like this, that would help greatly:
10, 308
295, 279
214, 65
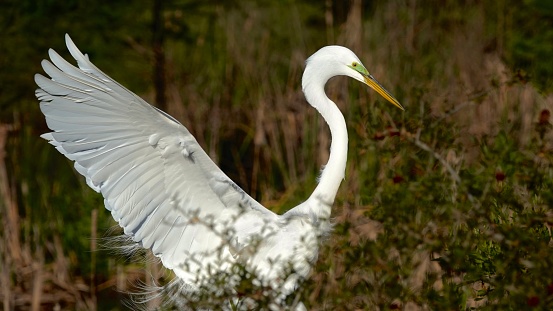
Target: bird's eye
354, 64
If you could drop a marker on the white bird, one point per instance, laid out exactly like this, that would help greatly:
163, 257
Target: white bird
168, 195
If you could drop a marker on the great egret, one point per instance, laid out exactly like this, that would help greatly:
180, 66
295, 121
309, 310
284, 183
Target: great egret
169, 196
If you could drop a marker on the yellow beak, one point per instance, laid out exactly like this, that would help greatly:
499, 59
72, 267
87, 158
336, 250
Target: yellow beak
375, 85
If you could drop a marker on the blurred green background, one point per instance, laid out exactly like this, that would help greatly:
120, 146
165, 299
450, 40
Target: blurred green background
446, 206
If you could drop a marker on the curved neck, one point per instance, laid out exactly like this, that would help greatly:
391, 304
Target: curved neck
334, 171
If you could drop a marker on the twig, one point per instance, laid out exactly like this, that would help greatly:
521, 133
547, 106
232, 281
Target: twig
38, 280
438, 157
470, 101
456, 178
9, 240
93, 240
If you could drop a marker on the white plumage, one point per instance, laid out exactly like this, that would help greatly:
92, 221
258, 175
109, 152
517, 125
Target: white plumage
168, 195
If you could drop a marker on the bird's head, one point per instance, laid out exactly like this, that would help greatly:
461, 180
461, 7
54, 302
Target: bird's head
335, 60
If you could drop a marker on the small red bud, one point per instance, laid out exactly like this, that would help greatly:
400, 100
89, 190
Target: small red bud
379, 136
397, 179
533, 301
392, 131
544, 117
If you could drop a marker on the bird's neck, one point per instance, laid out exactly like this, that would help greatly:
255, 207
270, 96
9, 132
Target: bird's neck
334, 171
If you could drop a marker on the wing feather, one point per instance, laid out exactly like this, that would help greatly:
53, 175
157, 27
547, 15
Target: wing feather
158, 183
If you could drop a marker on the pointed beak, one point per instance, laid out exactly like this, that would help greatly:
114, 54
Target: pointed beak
375, 85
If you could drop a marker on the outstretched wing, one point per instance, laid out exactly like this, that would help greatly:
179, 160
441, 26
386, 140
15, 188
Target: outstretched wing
158, 183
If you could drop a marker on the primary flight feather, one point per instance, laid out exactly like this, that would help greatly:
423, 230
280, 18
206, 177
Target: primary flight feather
168, 195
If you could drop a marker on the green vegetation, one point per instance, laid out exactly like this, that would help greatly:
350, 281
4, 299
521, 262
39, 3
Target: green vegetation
446, 206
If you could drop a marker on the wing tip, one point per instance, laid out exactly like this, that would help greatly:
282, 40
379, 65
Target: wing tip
68, 40
47, 136
74, 51
38, 76
41, 80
